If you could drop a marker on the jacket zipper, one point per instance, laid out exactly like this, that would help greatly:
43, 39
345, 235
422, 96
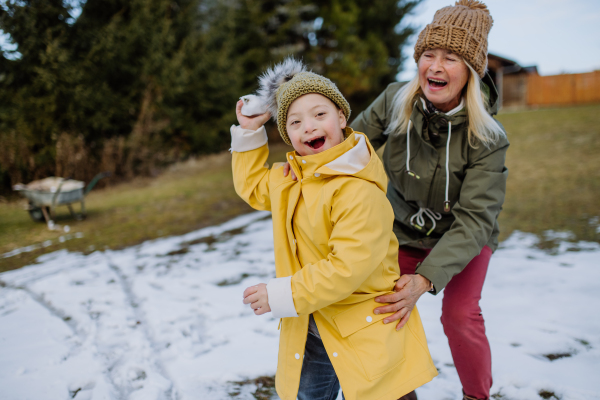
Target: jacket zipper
433, 185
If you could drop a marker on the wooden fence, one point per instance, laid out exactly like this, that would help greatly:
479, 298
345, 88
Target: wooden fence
563, 89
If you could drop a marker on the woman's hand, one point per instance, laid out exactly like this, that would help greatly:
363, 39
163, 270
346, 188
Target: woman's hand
409, 288
258, 298
252, 123
286, 171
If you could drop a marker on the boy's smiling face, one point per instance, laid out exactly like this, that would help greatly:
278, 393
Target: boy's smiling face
314, 124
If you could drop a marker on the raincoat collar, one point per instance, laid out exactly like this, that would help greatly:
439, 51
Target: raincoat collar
309, 164
354, 156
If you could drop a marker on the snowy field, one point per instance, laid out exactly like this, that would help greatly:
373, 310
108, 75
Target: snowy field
165, 320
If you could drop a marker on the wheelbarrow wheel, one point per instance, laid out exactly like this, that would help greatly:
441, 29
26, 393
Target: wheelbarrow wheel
36, 214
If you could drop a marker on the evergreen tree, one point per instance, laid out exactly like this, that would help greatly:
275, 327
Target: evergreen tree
34, 89
358, 44
132, 85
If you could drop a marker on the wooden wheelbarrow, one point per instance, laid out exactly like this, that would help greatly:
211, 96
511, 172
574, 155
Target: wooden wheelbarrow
45, 195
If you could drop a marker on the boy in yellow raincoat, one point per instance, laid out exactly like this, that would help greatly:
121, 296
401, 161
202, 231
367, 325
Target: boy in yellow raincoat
335, 250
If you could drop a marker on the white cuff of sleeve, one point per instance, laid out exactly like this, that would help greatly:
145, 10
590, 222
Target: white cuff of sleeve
281, 300
246, 139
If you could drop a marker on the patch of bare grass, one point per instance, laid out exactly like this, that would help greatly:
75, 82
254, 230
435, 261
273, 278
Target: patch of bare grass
185, 197
554, 172
553, 184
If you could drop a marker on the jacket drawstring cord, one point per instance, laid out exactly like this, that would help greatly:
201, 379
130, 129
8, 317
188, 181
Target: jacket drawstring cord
432, 215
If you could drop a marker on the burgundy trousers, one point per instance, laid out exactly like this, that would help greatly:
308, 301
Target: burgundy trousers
462, 319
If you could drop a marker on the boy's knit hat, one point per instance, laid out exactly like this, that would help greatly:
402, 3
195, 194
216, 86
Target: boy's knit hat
463, 29
288, 80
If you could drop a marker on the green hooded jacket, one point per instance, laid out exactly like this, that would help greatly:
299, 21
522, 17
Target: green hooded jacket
476, 182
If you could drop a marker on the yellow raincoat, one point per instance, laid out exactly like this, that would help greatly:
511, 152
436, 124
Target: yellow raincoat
335, 251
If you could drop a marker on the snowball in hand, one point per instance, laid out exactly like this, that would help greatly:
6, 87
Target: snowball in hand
253, 105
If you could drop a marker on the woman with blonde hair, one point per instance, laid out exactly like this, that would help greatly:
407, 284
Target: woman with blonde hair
444, 158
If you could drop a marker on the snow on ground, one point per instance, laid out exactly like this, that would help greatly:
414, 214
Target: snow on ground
165, 320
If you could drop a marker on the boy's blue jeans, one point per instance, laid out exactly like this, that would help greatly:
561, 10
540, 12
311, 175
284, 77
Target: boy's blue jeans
318, 380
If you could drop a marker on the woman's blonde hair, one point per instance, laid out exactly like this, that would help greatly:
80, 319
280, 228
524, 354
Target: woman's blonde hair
482, 127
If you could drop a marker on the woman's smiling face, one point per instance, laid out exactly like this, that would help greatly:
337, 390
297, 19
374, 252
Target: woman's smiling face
442, 76
314, 124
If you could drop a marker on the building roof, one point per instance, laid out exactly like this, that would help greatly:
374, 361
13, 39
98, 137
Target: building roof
508, 66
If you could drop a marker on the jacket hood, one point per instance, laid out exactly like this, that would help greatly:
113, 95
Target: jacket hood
488, 87
353, 157
439, 120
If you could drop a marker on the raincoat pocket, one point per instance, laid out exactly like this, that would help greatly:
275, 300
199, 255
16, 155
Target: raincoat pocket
379, 347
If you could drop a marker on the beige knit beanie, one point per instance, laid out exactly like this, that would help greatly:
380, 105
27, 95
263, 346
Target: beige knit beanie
463, 29
287, 81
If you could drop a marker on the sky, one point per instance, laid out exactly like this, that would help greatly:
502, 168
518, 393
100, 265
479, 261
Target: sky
558, 36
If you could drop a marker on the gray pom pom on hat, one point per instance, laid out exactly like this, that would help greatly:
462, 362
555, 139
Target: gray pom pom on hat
288, 80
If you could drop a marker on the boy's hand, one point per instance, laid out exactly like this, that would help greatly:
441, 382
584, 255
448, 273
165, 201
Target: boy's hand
258, 298
252, 123
287, 169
